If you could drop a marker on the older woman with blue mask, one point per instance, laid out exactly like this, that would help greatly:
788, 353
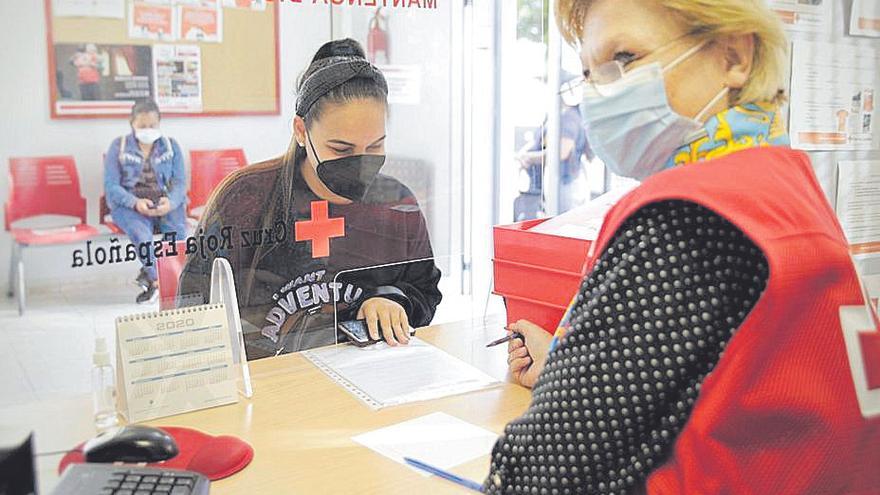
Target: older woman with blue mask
704, 351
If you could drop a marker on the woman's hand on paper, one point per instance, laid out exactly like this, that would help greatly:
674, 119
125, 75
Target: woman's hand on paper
387, 316
526, 357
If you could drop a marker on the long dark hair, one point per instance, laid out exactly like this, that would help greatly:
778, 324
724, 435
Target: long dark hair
146, 105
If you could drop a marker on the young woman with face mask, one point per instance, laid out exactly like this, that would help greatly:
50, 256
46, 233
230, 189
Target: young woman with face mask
145, 187
704, 351
288, 283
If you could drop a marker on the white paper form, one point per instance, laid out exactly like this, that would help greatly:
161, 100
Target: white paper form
858, 209
404, 83
812, 16
833, 90
858, 201
114, 9
437, 439
585, 221
383, 376
865, 20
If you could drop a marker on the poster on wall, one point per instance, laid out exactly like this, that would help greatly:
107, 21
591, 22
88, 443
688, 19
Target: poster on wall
149, 20
178, 77
865, 20
200, 3
858, 209
812, 16
834, 113
200, 23
98, 79
245, 4
114, 9
404, 83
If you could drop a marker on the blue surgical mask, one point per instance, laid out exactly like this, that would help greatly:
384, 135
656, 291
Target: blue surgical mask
630, 124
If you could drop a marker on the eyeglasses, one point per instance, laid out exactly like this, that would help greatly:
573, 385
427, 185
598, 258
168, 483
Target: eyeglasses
612, 71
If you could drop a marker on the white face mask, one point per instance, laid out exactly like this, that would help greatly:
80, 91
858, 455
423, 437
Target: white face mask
630, 124
148, 135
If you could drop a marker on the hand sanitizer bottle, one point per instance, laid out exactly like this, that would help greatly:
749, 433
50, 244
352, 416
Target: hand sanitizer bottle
103, 387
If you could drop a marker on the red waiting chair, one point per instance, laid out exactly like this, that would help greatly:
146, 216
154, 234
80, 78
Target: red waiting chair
207, 169
105, 218
169, 269
42, 186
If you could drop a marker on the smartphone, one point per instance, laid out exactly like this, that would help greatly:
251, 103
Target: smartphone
357, 332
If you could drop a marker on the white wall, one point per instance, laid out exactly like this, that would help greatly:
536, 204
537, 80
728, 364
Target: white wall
27, 130
417, 36
420, 38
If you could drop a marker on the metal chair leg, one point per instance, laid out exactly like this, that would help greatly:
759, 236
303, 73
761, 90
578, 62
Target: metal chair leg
13, 263
22, 292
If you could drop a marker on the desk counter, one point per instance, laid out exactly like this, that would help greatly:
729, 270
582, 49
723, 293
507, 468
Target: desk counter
300, 424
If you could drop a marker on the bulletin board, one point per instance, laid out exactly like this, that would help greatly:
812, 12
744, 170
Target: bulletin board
235, 75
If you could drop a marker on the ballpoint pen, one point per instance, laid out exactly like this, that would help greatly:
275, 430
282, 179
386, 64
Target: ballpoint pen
473, 485
514, 335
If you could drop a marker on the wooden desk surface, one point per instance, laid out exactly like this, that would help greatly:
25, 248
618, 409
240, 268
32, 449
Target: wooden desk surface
300, 424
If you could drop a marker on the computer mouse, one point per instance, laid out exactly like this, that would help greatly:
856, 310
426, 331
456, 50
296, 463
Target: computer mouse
131, 443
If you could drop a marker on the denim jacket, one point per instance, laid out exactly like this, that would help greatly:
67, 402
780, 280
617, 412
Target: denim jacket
122, 169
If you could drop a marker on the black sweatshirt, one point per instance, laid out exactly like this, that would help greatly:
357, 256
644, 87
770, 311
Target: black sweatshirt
287, 299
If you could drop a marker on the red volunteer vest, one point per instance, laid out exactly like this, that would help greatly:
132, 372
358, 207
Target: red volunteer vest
779, 414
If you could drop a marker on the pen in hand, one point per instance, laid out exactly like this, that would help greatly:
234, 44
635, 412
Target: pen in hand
514, 335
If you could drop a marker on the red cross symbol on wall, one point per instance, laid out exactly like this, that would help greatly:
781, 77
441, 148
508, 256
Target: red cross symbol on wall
320, 229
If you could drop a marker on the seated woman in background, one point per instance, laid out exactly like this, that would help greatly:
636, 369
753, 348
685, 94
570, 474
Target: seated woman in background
704, 351
145, 185
290, 276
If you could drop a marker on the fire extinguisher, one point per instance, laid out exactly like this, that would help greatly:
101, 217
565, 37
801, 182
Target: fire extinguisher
377, 39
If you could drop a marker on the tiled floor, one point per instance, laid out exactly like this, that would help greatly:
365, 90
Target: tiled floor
47, 353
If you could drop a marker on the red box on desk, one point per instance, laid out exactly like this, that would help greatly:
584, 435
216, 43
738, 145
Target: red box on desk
537, 274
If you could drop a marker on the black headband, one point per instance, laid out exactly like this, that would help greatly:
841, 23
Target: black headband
333, 75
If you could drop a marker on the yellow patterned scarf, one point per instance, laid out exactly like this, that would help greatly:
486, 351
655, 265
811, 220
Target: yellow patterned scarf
750, 125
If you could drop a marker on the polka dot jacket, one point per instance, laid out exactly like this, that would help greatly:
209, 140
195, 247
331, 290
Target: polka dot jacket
648, 325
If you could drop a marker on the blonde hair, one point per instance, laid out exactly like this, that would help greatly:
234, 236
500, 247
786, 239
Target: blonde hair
710, 19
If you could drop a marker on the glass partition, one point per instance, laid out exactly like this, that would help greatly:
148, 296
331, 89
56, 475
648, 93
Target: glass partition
359, 164
167, 147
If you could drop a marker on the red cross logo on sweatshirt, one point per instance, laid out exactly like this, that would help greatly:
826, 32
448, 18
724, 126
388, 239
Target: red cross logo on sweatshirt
320, 229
